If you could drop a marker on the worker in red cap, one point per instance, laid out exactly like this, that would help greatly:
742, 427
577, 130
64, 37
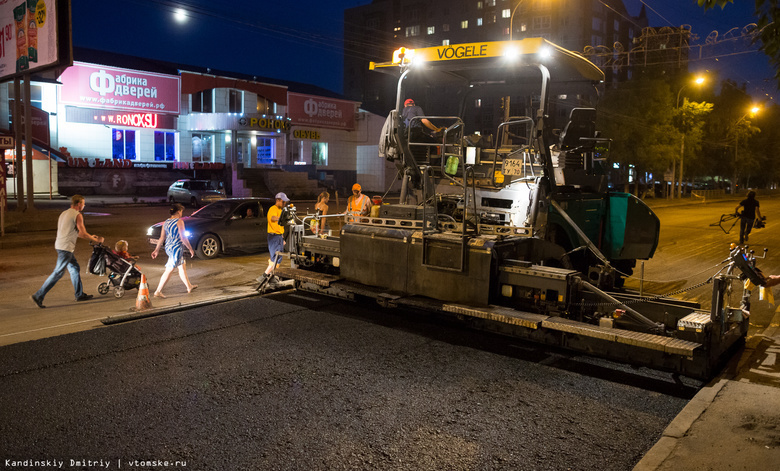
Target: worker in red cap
358, 204
414, 126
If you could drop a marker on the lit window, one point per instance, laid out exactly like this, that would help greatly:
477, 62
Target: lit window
431, 29
319, 153
412, 31
265, 151
445, 42
123, 144
479, 5
479, 21
464, 24
523, 27
164, 145
201, 147
506, 31
505, 13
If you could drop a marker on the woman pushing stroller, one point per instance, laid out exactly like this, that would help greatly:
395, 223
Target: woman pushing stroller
175, 241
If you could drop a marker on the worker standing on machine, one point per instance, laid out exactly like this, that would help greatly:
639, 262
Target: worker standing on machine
358, 204
275, 235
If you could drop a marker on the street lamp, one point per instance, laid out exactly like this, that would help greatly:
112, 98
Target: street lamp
511, 19
697, 81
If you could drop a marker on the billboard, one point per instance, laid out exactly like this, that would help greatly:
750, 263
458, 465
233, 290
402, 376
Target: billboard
312, 110
100, 86
29, 35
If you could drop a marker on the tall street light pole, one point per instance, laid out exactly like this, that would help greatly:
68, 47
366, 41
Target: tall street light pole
512, 18
698, 81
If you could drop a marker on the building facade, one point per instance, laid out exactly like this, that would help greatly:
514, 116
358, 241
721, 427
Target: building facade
120, 125
372, 32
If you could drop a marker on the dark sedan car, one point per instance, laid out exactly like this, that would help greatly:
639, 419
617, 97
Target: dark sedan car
231, 224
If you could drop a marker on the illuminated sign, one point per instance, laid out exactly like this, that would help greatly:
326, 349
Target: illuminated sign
98, 86
311, 110
274, 123
304, 134
28, 35
119, 118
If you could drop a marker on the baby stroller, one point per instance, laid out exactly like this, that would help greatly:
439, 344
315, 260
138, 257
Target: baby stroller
122, 273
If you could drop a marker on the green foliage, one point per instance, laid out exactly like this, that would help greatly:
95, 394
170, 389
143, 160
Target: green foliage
637, 116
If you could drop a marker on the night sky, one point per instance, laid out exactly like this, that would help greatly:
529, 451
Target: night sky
302, 40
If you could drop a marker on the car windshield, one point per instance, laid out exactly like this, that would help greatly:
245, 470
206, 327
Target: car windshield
200, 186
213, 211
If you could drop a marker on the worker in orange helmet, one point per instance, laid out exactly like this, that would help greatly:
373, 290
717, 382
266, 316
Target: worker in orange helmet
358, 204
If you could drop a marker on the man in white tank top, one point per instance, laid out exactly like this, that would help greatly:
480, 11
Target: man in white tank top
70, 227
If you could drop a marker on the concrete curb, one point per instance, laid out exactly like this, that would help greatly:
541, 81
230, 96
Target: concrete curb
681, 424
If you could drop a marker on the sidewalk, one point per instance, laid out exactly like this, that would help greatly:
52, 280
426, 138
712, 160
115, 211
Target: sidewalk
733, 422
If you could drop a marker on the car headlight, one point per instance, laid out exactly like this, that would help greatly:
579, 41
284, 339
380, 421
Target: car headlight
150, 231
187, 234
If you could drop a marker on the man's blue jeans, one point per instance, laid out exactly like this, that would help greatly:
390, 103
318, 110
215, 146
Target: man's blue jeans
65, 260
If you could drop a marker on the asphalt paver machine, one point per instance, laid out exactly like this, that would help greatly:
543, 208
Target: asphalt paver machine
506, 220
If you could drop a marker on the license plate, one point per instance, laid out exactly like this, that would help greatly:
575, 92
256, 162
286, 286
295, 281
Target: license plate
154, 241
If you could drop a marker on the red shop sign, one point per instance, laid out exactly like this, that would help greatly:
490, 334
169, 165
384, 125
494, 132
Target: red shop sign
98, 86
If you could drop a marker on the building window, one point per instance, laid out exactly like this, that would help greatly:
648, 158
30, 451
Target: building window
464, 24
523, 27
372, 23
506, 31
202, 147
412, 31
542, 22
265, 151
265, 106
235, 101
445, 42
164, 145
445, 27
490, 3
319, 153
595, 40
616, 25
203, 102
597, 25
431, 29
505, 13
479, 5
479, 21
123, 144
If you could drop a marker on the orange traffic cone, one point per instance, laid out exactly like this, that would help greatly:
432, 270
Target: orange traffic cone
143, 301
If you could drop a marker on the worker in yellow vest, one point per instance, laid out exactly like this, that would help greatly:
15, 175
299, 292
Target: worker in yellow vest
358, 204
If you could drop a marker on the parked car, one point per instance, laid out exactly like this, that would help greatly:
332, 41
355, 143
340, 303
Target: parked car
195, 192
232, 224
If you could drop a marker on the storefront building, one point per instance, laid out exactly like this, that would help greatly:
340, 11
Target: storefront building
124, 130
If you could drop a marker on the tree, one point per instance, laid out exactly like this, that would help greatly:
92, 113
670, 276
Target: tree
768, 14
690, 118
637, 116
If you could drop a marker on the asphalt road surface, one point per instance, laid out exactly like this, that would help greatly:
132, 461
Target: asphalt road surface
292, 382
296, 382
